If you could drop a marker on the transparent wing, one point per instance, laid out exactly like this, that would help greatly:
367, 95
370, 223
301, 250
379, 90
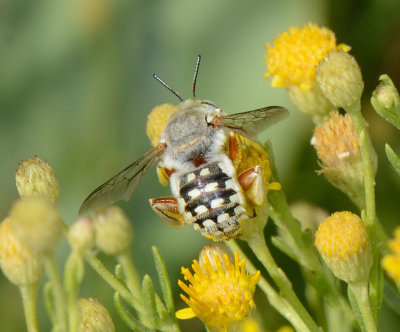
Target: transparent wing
252, 122
122, 185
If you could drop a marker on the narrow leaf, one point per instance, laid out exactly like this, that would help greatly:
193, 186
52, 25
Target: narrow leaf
149, 300
393, 158
127, 316
164, 281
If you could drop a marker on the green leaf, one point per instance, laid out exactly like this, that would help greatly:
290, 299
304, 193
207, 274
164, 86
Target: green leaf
392, 297
376, 283
386, 101
164, 281
127, 316
149, 300
393, 158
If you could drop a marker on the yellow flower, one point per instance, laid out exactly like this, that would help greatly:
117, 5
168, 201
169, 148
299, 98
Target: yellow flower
295, 55
221, 297
157, 120
292, 61
391, 262
343, 242
20, 265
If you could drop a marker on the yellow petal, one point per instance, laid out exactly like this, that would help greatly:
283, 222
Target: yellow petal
185, 313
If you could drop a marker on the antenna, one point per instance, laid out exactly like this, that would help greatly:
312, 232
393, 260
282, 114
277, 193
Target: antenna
196, 71
168, 87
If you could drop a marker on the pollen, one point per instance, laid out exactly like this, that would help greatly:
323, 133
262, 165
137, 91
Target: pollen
157, 120
221, 296
294, 55
391, 262
343, 242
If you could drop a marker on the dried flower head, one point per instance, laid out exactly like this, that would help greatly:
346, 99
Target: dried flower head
94, 317
114, 232
35, 177
157, 120
340, 80
292, 61
391, 262
221, 297
19, 264
336, 143
37, 223
343, 242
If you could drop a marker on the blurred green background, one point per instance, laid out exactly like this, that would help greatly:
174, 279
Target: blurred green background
76, 86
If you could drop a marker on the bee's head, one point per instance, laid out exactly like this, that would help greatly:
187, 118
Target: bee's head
187, 131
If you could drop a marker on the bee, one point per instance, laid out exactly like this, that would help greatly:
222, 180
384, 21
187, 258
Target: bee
212, 161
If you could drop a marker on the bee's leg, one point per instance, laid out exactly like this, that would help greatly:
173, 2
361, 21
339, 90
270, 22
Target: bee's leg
252, 183
167, 209
235, 151
163, 173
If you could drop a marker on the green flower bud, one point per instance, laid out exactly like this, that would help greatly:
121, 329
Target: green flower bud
81, 235
340, 79
35, 177
94, 317
114, 232
37, 223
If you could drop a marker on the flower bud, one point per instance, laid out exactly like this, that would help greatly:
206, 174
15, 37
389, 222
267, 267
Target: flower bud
114, 232
340, 79
336, 143
37, 223
35, 177
386, 101
208, 255
343, 242
157, 120
20, 265
94, 317
81, 235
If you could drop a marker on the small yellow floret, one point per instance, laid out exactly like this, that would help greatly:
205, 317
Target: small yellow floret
294, 57
391, 262
221, 297
157, 120
343, 242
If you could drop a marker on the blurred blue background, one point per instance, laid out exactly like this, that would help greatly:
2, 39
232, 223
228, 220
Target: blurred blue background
76, 86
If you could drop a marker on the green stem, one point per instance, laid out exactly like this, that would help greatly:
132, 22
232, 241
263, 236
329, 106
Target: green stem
366, 158
131, 275
277, 301
360, 291
58, 291
29, 296
74, 270
108, 277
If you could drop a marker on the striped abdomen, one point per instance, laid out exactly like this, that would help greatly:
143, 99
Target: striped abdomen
212, 200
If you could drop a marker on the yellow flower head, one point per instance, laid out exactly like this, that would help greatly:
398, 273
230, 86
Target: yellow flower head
391, 262
157, 120
20, 265
343, 242
294, 57
221, 297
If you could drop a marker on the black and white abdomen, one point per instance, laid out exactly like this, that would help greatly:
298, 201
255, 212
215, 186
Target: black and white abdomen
210, 198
